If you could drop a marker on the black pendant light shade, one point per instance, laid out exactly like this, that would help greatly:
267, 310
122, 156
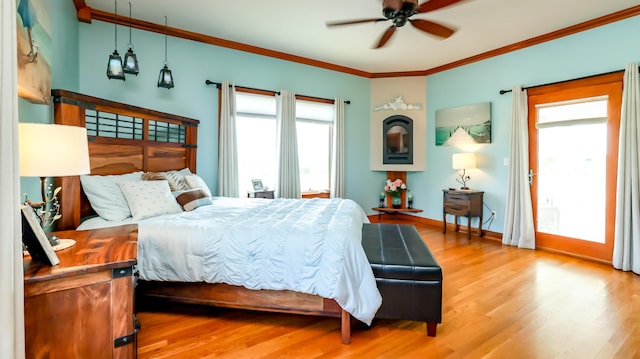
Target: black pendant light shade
131, 63
114, 65
165, 79
130, 59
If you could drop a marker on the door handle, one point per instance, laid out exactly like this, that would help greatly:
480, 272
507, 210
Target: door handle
531, 174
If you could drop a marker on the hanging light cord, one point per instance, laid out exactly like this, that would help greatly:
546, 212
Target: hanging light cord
130, 44
115, 26
165, 40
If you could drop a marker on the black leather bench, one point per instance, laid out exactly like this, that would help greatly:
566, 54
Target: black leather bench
407, 275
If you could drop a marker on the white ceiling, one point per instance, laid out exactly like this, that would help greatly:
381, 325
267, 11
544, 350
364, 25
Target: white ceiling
297, 27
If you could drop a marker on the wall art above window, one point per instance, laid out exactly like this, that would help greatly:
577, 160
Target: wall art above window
464, 125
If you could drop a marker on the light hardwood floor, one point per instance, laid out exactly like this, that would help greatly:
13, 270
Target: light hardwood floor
498, 302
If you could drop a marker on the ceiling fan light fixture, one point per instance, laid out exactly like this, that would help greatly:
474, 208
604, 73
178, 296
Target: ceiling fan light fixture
130, 58
114, 64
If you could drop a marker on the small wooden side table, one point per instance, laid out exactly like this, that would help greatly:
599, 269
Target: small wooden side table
83, 307
264, 194
392, 210
466, 203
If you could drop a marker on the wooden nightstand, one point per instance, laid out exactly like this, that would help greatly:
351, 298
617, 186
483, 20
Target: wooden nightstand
462, 203
83, 307
264, 194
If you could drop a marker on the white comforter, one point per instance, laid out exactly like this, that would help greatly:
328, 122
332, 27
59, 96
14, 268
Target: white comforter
311, 246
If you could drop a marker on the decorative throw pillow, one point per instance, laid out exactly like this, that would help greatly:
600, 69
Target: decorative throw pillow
105, 195
193, 198
196, 182
160, 176
177, 177
149, 198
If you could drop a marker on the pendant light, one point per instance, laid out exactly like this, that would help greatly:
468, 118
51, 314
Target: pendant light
130, 59
165, 79
114, 65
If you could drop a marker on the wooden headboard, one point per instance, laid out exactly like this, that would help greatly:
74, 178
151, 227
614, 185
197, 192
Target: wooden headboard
122, 138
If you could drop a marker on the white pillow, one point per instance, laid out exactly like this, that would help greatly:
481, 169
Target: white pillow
196, 182
149, 198
105, 195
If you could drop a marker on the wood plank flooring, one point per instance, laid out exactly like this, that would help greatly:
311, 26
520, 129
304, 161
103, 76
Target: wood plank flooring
498, 302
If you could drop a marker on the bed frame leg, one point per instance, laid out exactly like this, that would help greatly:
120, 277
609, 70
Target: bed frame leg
345, 327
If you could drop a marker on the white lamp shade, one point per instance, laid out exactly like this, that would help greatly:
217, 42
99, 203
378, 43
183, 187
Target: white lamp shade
463, 161
53, 150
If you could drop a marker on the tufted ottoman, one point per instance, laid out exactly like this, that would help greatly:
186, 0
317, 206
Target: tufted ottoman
408, 277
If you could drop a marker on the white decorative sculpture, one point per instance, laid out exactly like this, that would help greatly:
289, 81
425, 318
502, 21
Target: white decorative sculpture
398, 104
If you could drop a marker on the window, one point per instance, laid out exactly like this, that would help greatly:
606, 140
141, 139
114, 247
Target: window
257, 146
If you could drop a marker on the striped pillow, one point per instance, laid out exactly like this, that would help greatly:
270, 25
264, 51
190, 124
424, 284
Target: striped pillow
192, 199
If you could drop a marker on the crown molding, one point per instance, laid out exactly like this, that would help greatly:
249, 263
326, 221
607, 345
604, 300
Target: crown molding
87, 14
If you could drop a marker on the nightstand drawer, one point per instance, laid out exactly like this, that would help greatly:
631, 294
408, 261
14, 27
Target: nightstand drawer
264, 194
454, 199
457, 210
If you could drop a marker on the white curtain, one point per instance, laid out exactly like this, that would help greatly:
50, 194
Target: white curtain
337, 151
626, 247
288, 166
518, 223
227, 144
11, 272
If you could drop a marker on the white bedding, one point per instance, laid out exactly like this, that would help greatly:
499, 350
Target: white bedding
311, 246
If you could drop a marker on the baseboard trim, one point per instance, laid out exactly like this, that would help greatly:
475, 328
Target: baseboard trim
494, 236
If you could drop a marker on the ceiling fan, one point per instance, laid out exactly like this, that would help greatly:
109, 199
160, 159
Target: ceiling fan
400, 12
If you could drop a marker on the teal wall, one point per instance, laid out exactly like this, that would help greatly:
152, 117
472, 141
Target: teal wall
81, 51
193, 62
64, 74
591, 52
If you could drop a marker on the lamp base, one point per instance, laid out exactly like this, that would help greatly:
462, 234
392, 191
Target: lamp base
64, 244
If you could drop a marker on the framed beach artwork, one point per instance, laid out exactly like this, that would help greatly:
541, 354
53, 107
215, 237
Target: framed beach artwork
464, 125
34, 50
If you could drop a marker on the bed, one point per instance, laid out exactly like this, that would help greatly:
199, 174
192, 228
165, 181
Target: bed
125, 139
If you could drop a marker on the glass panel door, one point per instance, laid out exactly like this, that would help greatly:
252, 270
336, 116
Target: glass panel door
573, 153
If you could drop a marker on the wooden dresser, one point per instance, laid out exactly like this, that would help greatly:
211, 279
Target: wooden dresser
83, 307
465, 203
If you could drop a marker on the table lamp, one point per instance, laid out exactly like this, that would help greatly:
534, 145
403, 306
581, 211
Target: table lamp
463, 161
48, 150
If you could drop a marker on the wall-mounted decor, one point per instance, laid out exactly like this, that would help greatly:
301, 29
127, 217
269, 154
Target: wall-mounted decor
398, 104
464, 125
34, 50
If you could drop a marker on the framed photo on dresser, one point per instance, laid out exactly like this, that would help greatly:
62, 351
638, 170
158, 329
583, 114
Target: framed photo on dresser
34, 238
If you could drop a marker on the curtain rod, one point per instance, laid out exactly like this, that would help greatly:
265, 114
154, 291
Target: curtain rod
502, 92
218, 84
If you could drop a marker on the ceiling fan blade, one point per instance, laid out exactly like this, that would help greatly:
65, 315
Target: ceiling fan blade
351, 22
386, 36
432, 28
431, 5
